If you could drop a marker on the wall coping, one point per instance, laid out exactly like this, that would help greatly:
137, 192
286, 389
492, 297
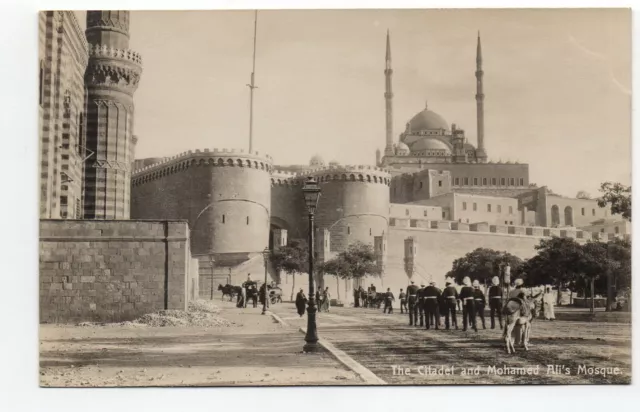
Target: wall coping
236, 153
117, 220
457, 229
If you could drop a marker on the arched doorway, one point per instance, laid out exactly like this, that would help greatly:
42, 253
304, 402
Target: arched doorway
568, 216
555, 216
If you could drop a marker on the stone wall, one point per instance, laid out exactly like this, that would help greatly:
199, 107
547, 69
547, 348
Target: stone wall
224, 194
111, 271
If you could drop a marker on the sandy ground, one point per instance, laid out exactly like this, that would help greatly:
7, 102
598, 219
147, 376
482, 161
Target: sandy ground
255, 350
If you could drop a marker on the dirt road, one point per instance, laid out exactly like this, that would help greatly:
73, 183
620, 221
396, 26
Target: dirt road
253, 351
561, 352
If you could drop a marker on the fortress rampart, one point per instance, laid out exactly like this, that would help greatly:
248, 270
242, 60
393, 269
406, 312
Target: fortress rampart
224, 194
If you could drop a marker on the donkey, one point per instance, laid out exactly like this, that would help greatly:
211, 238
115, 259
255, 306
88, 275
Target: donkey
519, 312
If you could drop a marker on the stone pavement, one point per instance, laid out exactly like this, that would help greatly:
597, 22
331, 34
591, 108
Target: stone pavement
256, 351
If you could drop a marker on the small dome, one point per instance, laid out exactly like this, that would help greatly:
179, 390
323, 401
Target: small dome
429, 143
402, 149
427, 120
316, 160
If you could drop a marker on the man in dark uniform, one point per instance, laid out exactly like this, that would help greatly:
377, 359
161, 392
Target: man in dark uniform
412, 299
403, 301
450, 298
356, 298
468, 306
495, 301
388, 301
421, 304
480, 301
431, 296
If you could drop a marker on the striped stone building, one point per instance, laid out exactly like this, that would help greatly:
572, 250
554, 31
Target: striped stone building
86, 86
63, 60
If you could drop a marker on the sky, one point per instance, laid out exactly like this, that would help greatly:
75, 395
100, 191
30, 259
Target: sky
557, 84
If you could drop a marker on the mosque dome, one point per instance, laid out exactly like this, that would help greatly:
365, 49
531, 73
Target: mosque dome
402, 149
427, 120
429, 143
316, 160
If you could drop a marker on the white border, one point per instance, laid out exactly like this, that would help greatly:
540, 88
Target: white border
18, 257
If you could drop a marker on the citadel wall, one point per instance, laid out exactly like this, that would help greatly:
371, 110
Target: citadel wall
354, 203
112, 271
439, 243
225, 195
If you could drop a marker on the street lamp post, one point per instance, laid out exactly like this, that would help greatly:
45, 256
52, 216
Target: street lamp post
265, 255
311, 191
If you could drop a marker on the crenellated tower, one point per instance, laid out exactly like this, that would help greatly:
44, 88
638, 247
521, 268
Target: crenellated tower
481, 153
111, 78
388, 98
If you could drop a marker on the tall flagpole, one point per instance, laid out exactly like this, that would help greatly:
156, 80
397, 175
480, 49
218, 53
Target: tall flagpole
252, 84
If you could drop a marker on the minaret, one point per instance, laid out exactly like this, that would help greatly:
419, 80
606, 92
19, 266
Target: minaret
388, 98
481, 153
111, 78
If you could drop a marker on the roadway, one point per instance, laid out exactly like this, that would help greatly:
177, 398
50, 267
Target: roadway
561, 352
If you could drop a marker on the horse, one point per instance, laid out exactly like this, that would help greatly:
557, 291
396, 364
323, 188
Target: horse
230, 291
519, 312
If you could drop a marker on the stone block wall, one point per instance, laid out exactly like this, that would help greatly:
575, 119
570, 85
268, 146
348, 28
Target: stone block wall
112, 271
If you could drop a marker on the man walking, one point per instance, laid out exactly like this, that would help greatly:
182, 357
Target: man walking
468, 307
431, 297
388, 301
495, 302
450, 298
412, 299
403, 301
480, 301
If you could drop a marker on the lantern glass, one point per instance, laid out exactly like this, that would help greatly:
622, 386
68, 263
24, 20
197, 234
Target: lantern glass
311, 191
265, 254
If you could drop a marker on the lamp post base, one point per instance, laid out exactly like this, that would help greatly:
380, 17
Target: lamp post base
311, 347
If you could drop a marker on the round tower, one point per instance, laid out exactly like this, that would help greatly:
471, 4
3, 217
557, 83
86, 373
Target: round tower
111, 78
354, 204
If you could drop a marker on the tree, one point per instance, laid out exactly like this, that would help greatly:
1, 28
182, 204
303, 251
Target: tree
592, 264
618, 197
583, 195
358, 261
291, 259
482, 264
556, 263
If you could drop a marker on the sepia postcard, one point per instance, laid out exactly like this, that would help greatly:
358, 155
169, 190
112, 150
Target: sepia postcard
334, 197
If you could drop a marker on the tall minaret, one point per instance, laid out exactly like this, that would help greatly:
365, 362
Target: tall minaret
481, 153
388, 98
111, 78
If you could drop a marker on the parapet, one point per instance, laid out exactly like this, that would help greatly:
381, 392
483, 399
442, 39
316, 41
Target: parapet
347, 173
502, 230
206, 157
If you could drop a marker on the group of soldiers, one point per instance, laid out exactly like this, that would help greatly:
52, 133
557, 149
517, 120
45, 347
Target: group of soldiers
426, 304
